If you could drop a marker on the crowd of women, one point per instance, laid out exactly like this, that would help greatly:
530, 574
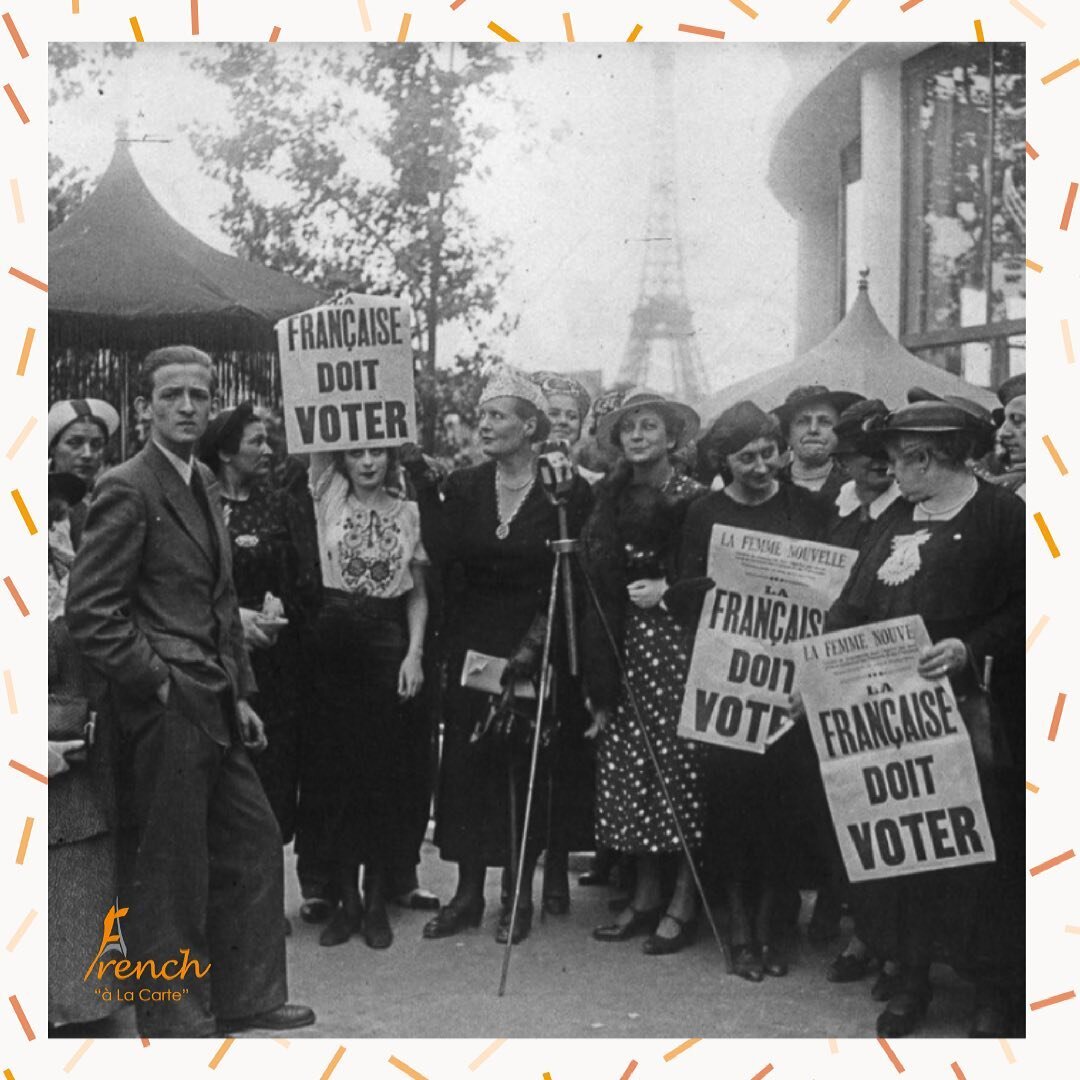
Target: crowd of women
378, 589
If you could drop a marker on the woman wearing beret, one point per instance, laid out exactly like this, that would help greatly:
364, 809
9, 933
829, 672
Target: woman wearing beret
276, 572
757, 831
630, 545
952, 551
82, 795
79, 434
490, 531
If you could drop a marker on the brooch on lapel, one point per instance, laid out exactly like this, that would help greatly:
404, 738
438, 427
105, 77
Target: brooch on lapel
905, 561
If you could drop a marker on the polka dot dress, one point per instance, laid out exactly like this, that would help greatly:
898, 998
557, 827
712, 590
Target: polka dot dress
631, 813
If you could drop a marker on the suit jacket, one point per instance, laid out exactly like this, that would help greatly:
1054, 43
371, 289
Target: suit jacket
151, 596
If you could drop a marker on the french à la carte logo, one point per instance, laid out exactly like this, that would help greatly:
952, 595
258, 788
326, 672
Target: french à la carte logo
119, 967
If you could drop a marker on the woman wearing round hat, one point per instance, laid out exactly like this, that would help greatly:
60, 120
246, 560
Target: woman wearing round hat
756, 828
79, 434
490, 532
952, 551
631, 541
275, 567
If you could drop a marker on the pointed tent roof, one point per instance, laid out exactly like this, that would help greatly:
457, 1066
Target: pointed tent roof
123, 274
859, 355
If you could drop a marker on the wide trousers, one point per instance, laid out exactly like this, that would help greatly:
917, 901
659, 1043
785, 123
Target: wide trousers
206, 877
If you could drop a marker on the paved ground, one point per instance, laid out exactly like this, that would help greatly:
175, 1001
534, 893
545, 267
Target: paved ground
564, 984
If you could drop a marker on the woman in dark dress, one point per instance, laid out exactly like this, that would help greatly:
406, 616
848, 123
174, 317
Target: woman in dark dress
490, 532
757, 831
276, 572
630, 543
952, 551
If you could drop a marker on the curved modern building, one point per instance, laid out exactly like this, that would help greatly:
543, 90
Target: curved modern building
909, 160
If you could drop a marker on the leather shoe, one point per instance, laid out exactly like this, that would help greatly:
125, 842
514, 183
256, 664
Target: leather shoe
655, 945
377, 932
746, 963
340, 928
640, 922
418, 900
903, 1014
454, 918
316, 910
845, 968
773, 962
522, 925
284, 1018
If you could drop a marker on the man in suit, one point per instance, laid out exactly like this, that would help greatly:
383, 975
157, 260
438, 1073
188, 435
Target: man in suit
151, 605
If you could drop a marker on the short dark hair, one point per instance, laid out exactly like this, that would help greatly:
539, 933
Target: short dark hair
172, 354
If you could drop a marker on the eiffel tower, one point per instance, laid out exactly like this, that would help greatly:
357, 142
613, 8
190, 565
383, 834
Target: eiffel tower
662, 344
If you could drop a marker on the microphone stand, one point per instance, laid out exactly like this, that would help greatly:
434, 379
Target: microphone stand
565, 549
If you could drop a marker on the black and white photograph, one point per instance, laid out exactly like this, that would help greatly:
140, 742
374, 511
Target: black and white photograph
536, 540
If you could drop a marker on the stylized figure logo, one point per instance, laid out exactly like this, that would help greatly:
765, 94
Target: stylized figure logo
112, 937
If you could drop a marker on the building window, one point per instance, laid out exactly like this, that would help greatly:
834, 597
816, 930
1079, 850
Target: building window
852, 252
964, 273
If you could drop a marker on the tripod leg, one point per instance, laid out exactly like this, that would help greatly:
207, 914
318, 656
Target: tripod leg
669, 802
545, 682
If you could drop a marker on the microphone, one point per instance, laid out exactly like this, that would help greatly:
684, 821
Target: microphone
556, 471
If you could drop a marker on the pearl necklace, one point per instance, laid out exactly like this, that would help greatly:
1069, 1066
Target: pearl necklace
502, 531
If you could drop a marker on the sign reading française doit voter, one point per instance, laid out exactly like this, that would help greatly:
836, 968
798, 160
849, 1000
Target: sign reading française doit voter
770, 592
895, 755
347, 375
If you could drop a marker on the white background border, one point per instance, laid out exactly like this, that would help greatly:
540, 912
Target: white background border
1053, 897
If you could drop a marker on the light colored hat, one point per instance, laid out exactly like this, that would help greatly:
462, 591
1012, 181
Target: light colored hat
506, 381
554, 382
64, 413
682, 421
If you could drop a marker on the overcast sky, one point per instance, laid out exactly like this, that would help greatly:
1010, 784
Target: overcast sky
573, 202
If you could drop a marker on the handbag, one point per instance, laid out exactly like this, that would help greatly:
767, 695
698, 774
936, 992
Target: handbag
510, 719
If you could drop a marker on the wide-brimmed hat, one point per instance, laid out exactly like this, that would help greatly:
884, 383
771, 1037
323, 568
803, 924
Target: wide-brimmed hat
682, 422
222, 428
981, 422
506, 381
849, 430
67, 486
64, 413
1013, 387
803, 396
927, 417
738, 425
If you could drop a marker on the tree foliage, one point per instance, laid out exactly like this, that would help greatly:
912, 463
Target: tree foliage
347, 167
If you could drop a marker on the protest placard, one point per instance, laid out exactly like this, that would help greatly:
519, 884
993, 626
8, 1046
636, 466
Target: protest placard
347, 375
770, 592
896, 759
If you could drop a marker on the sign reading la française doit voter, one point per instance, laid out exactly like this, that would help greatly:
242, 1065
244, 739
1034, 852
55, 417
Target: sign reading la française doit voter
895, 755
347, 375
770, 591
